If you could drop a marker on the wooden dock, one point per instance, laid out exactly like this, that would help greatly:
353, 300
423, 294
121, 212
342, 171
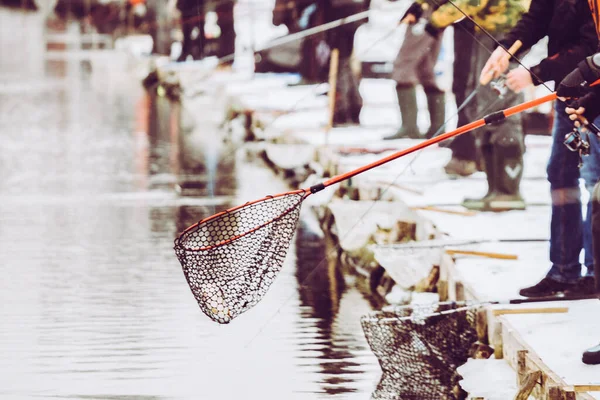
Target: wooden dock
537, 346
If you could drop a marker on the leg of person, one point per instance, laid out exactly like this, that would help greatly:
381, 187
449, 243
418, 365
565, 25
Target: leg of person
464, 147
226, 23
201, 39
502, 150
590, 172
186, 44
566, 226
592, 356
436, 103
502, 145
352, 99
508, 147
596, 234
489, 161
413, 49
436, 98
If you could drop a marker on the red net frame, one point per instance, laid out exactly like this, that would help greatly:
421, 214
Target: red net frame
231, 259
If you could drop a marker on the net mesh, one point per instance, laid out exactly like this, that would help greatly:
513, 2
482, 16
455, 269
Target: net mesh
419, 349
231, 260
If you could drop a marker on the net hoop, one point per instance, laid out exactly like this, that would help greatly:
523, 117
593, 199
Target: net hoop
231, 259
197, 226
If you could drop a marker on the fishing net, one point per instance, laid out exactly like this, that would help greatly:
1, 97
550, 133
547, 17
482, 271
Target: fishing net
231, 259
419, 349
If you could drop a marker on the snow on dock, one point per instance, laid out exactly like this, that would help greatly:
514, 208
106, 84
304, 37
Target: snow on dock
376, 216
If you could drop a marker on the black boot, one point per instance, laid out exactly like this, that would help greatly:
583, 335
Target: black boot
508, 168
407, 101
436, 102
479, 204
591, 356
546, 287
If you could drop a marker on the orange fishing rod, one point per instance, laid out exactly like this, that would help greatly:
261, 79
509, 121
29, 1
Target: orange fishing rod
489, 119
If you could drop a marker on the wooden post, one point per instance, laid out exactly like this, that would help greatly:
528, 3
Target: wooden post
521, 366
460, 291
333, 74
442, 288
481, 326
528, 384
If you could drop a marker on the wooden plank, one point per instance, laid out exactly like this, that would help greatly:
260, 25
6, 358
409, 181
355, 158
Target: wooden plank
529, 310
445, 211
586, 388
486, 254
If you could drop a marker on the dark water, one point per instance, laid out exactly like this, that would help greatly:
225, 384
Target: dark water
93, 303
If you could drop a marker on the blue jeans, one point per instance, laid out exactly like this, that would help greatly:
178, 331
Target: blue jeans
569, 232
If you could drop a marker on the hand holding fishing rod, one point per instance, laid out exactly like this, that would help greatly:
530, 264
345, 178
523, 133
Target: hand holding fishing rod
498, 63
583, 98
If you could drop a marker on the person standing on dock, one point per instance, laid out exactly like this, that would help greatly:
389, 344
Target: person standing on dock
583, 100
299, 15
571, 37
348, 101
502, 145
414, 65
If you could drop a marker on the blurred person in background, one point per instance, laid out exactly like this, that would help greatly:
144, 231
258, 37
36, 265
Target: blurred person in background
225, 19
414, 65
502, 144
192, 28
348, 101
299, 15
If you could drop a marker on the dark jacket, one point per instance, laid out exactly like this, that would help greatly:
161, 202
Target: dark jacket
342, 37
190, 8
571, 36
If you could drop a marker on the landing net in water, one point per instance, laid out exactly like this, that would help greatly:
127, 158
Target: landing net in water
419, 349
231, 259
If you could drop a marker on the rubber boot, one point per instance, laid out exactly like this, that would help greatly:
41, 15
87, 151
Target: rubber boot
479, 204
596, 233
508, 168
436, 102
407, 101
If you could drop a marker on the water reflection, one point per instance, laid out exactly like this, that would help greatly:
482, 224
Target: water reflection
322, 289
93, 302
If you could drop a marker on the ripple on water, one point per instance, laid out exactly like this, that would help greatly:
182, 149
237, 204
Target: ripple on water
93, 302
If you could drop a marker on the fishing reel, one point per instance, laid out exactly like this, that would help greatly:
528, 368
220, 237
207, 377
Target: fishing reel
499, 86
578, 141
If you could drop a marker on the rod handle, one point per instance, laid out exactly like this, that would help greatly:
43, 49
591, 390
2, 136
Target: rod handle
511, 52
